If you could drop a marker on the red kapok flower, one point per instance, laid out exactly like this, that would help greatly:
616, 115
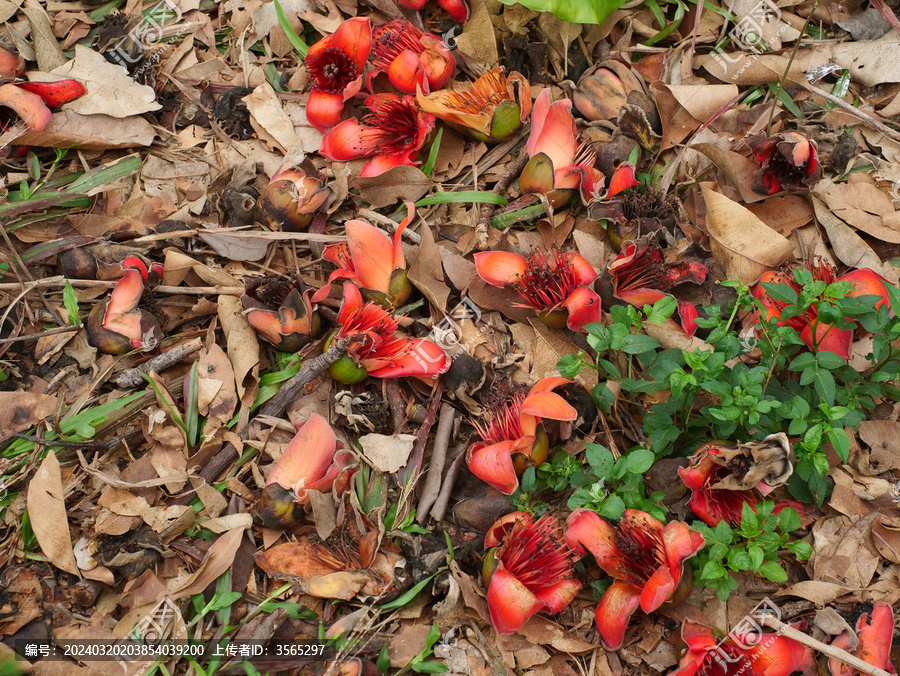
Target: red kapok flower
509, 427
819, 336
410, 57
645, 558
457, 9
875, 634
527, 569
557, 289
392, 133
641, 277
748, 654
293, 196
118, 325
789, 162
30, 102
724, 477
372, 261
491, 109
377, 348
335, 65
280, 313
311, 461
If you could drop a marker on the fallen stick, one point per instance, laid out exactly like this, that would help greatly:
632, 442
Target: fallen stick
828, 650
443, 500
868, 119
134, 377
432, 487
487, 209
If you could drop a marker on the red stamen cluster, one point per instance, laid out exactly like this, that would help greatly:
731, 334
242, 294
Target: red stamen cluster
391, 39
331, 70
536, 553
640, 552
502, 419
725, 660
646, 271
393, 125
545, 284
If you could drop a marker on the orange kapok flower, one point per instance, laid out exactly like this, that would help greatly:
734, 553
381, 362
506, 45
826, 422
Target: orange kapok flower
875, 633
558, 166
11, 64
392, 133
819, 336
311, 461
457, 9
789, 162
708, 653
641, 277
372, 261
293, 196
335, 66
281, 313
645, 557
30, 102
491, 109
558, 287
118, 325
723, 481
527, 569
377, 348
410, 57
510, 434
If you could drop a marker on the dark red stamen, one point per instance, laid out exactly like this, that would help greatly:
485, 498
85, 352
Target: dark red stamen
502, 419
331, 70
390, 39
536, 553
545, 283
641, 552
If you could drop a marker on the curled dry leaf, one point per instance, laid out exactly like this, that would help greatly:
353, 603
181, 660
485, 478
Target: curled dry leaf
403, 183
243, 347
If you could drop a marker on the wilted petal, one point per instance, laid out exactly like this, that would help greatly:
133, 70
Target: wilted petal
502, 526
55, 94
614, 612
29, 107
828, 338
538, 115
875, 636
548, 405
10, 64
781, 656
419, 357
500, 268
510, 602
680, 543
622, 179
689, 315
657, 590
307, 457
406, 72
352, 302
641, 297
372, 253
382, 163
493, 465
267, 324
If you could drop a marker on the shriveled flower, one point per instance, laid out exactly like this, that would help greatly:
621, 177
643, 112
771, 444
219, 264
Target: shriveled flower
29, 103
645, 558
377, 348
118, 324
819, 335
372, 261
875, 633
410, 57
457, 9
789, 162
335, 67
724, 477
641, 277
510, 434
527, 570
635, 214
600, 94
709, 653
557, 288
392, 133
295, 193
491, 109
281, 312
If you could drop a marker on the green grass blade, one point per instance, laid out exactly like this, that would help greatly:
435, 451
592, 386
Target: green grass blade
292, 36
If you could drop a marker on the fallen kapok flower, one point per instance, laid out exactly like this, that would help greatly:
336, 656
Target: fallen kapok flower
875, 633
11, 64
410, 57
599, 95
646, 559
557, 288
510, 434
372, 261
281, 312
491, 109
457, 9
865, 282
789, 162
293, 196
377, 348
118, 324
30, 102
527, 569
641, 277
558, 165
392, 133
635, 214
724, 477
708, 652
335, 67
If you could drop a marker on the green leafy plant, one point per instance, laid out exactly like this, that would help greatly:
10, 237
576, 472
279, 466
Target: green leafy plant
576, 11
753, 546
70, 300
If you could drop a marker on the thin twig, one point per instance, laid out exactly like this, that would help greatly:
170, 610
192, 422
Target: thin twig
487, 209
432, 487
443, 499
410, 473
829, 650
868, 119
787, 70
379, 219
109, 443
60, 281
36, 336
134, 377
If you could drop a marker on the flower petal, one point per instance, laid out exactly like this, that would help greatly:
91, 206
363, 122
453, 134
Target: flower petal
867, 283
641, 297
406, 72
828, 338
11, 64
538, 115
500, 268
493, 465
126, 295
583, 305
584, 271
622, 179
875, 636
55, 94
587, 530
354, 38
781, 656
558, 595
415, 357
689, 316
558, 137
347, 141
352, 302
680, 543
323, 110
657, 590
29, 107
399, 259
267, 324
372, 253
307, 457
509, 601
457, 9
614, 612
382, 163
548, 405
502, 526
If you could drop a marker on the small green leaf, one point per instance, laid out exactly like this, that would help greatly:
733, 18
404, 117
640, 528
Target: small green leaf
772, 571
475, 196
409, 595
430, 667
613, 508
70, 300
575, 11
640, 460
428, 167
